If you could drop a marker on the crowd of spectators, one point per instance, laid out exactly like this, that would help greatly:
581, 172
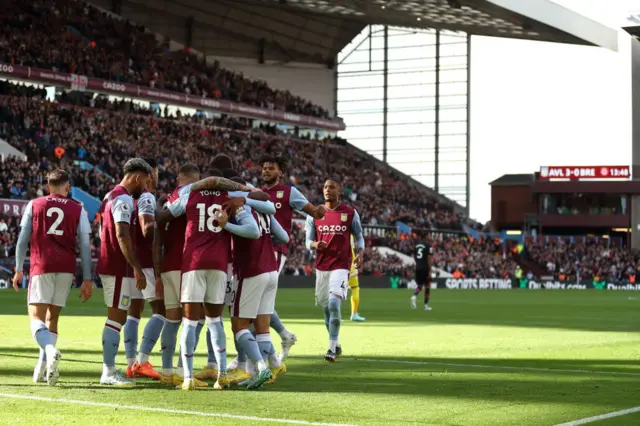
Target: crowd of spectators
95, 142
74, 37
585, 259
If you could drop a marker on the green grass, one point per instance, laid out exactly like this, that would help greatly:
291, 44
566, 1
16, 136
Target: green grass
481, 358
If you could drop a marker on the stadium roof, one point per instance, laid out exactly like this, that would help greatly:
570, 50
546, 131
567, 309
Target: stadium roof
513, 180
316, 30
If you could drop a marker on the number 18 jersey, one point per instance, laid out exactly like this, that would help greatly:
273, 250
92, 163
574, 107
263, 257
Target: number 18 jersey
206, 244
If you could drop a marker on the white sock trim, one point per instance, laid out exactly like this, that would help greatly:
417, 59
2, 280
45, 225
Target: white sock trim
160, 317
187, 321
174, 321
212, 320
241, 333
36, 326
134, 319
265, 337
114, 324
202, 322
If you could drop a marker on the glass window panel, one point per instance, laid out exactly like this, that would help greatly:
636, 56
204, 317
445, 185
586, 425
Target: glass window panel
411, 51
416, 64
360, 94
452, 168
363, 132
415, 104
453, 89
367, 144
363, 54
411, 91
453, 128
354, 107
411, 145
458, 101
349, 81
410, 117
453, 75
411, 130
449, 62
450, 47
453, 115
404, 78
427, 180
363, 119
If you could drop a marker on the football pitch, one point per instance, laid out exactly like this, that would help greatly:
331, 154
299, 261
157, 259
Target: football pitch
479, 358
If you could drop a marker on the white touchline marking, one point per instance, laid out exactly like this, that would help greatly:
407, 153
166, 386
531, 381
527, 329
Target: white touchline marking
496, 367
602, 417
168, 411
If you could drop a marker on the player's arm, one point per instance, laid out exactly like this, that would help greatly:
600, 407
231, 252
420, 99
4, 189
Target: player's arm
245, 226
310, 236
278, 234
220, 184
121, 210
147, 214
175, 209
257, 200
84, 234
26, 227
297, 201
356, 231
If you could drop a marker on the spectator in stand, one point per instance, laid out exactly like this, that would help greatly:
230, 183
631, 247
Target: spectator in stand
75, 37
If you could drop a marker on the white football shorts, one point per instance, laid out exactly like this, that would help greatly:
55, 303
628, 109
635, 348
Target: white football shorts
50, 289
331, 282
203, 286
171, 283
281, 259
256, 296
149, 293
117, 291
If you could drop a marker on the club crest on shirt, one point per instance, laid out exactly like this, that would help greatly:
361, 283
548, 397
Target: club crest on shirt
125, 300
343, 217
280, 194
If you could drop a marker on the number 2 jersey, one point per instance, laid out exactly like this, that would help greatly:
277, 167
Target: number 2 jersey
55, 222
207, 245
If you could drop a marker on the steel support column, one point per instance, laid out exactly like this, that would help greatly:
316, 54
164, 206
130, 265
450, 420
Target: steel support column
468, 199
437, 117
385, 93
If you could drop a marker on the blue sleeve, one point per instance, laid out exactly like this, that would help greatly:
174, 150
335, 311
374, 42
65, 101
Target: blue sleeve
21, 246
297, 201
246, 226
278, 234
179, 206
310, 231
122, 209
356, 231
27, 216
85, 255
266, 207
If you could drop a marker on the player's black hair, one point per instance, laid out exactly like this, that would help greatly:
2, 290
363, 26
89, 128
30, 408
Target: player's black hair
280, 161
151, 161
135, 165
238, 179
189, 168
229, 173
222, 162
215, 173
58, 177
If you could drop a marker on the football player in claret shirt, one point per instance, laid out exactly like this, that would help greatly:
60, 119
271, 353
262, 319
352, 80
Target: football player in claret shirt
51, 224
255, 293
422, 257
204, 264
168, 267
143, 230
331, 238
119, 268
287, 199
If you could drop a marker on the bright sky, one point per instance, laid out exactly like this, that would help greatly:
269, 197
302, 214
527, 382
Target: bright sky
536, 104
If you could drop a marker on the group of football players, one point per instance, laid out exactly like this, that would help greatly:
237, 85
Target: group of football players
213, 242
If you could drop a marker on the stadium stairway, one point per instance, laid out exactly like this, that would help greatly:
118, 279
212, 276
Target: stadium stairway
529, 265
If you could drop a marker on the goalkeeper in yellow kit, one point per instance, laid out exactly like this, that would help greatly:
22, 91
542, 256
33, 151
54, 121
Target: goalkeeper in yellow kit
354, 284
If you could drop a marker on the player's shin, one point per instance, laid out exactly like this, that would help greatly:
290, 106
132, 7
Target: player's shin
188, 345
131, 339
110, 345
334, 322
327, 317
219, 343
150, 336
42, 336
355, 300
211, 353
278, 326
169, 339
248, 343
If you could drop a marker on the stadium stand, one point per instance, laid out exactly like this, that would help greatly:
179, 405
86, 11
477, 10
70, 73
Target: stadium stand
76, 37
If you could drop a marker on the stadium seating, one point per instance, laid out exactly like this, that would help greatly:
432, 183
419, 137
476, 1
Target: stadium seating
74, 37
